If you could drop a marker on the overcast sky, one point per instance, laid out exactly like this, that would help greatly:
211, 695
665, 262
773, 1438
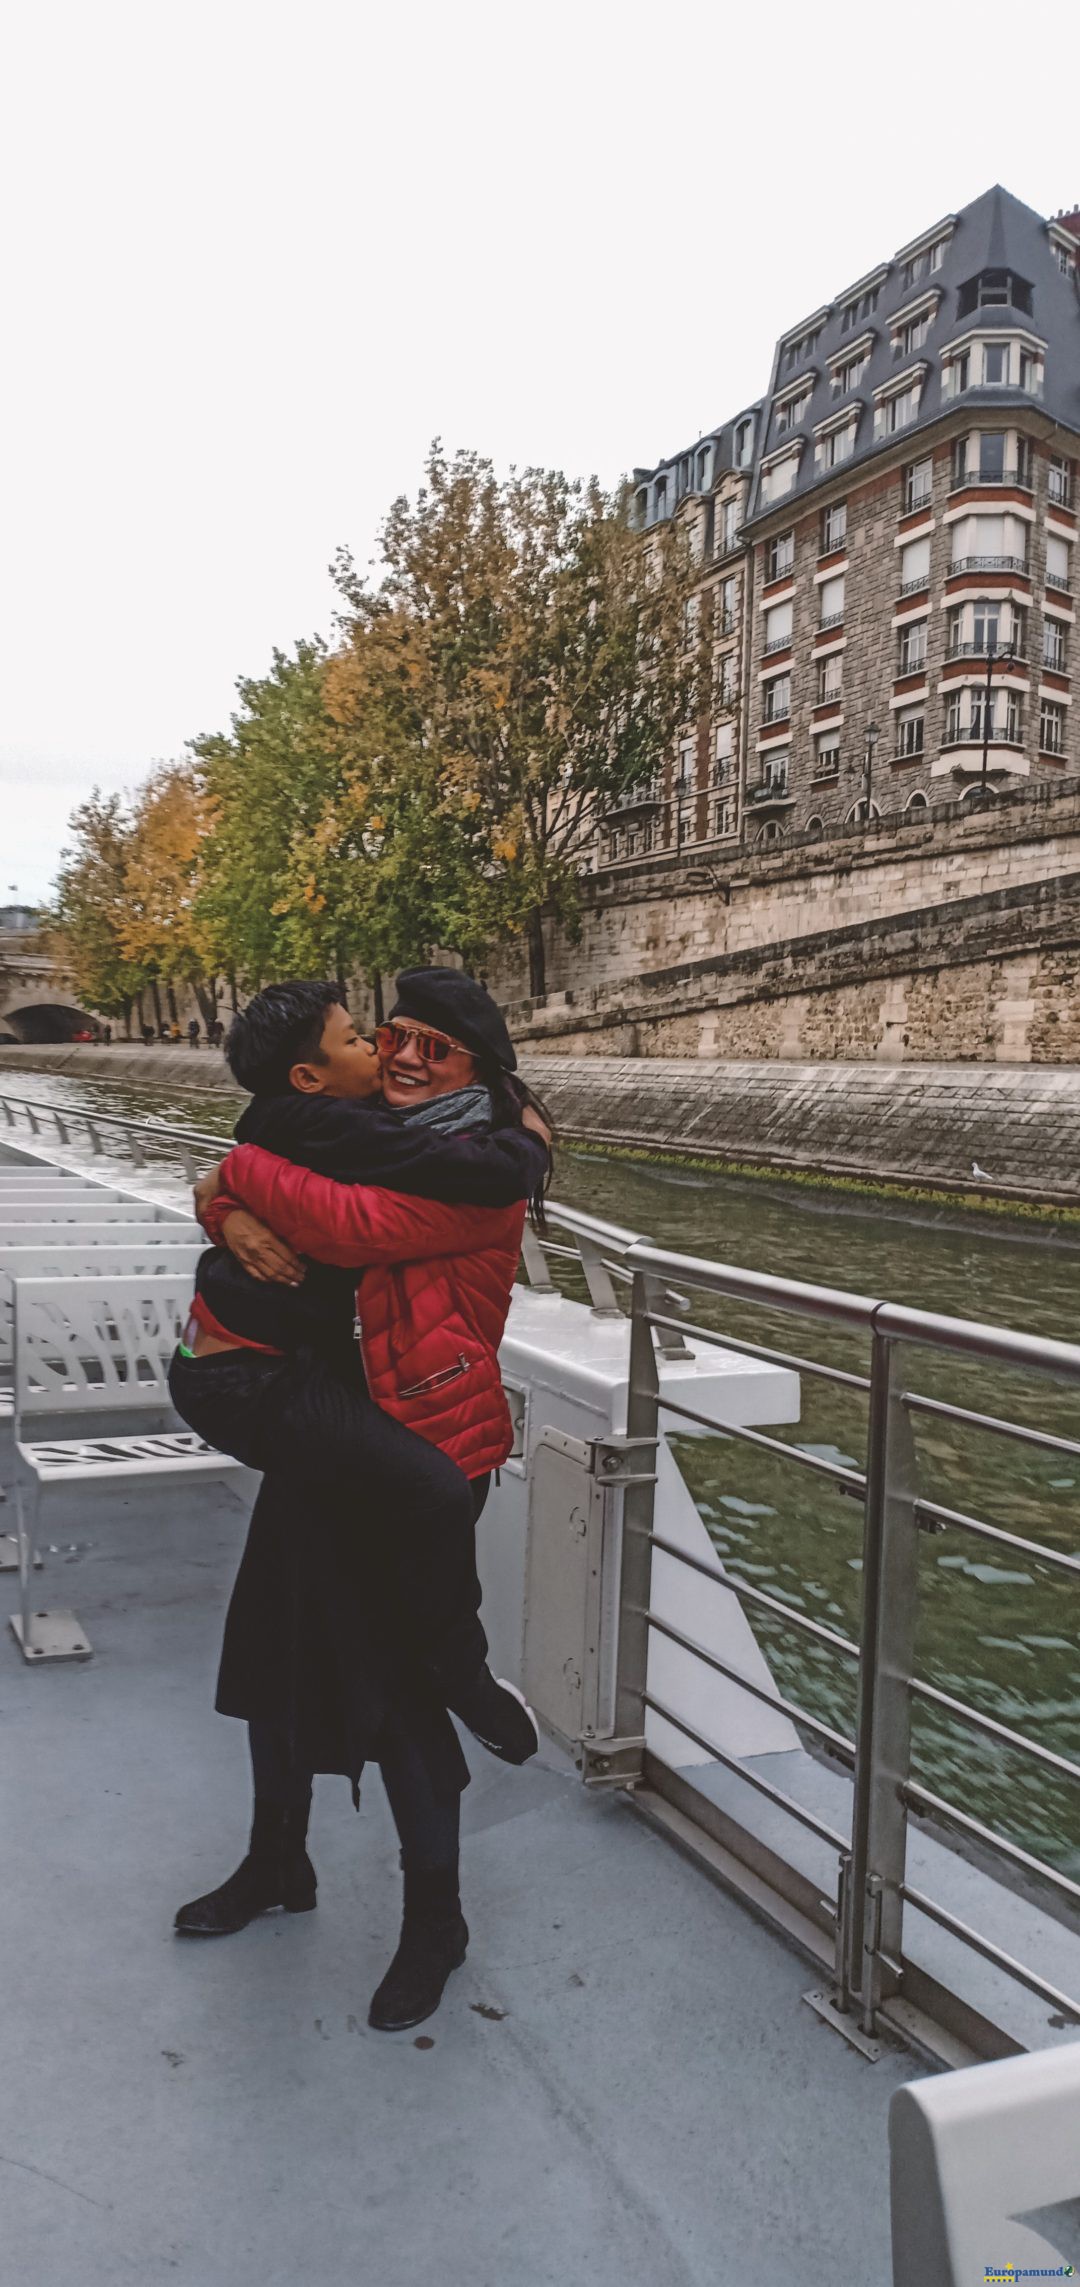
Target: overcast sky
257, 255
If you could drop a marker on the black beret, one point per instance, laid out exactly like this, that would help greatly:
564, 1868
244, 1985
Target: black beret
455, 1003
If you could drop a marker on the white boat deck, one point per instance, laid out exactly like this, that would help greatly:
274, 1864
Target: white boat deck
623, 2085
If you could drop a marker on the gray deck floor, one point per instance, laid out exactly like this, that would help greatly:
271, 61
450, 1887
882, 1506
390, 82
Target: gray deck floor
624, 2085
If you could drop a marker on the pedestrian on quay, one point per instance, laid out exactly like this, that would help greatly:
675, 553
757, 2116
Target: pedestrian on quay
148, 1035
323, 1654
193, 1032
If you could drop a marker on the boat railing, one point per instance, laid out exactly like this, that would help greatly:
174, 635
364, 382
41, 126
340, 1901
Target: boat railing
870, 1966
863, 1925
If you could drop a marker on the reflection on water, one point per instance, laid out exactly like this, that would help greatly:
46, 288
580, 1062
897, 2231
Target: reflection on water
995, 1628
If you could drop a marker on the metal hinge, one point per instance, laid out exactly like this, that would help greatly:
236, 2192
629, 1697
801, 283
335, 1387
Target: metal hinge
611, 1762
623, 1460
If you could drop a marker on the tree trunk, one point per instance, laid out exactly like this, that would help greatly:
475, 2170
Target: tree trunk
156, 998
375, 981
127, 1020
341, 981
234, 996
207, 1000
537, 956
170, 995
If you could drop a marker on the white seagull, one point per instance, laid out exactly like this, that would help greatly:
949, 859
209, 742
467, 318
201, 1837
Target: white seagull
980, 1173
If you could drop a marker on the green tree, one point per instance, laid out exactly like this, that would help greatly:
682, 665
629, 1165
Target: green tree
523, 659
159, 929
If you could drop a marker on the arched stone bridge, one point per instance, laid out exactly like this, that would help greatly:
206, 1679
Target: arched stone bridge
37, 1001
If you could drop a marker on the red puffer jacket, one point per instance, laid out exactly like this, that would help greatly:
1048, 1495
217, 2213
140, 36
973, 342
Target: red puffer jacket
432, 1302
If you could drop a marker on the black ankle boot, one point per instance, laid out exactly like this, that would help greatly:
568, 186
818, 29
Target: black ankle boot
276, 1872
434, 1936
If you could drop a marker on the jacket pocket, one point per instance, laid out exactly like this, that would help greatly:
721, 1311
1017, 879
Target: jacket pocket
453, 1373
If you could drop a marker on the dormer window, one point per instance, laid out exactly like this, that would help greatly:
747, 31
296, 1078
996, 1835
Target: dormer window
778, 474
925, 262
743, 449
792, 409
835, 439
910, 327
846, 370
861, 306
994, 290
800, 348
897, 405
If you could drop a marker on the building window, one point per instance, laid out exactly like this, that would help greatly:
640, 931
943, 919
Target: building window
995, 363
958, 374
723, 754
923, 264
989, 544
777, 477
1066, 261
615, 848
910, 733
723, 816
727, 604
834, 528
827, 755
911, 336
776, 700
802, 347
915, 803
728, 526
993, 718
848, 373
780, 556
791, 410
1058, 480
830, 679
691, 616
861, 306
1053, 645
831, 601
725, 680
838, 444
778, 621
1057, 562
994, 290
914, 566
744, 444
1051, 727
898, 410
912, 653
918, 486
1031, 373
686, 765
774, 771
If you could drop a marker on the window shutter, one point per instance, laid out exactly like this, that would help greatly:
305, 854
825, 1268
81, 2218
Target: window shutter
915, 562
778, 624
832, 597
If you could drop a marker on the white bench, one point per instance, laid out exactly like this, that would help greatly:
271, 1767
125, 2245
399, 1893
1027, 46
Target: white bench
69, 1205
155, 1257
14, 1237
87, 1349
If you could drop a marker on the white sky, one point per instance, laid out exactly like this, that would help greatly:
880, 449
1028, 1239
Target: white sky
258, 254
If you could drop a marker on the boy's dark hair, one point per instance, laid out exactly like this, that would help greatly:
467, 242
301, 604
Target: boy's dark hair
280, 1027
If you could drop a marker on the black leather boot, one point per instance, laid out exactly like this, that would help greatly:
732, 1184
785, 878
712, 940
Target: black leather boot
434, 1937
276, 1872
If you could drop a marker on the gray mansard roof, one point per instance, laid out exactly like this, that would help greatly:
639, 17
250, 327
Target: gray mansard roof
996, 232
699, 467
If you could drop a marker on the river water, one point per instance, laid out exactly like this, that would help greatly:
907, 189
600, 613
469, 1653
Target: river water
997, 1630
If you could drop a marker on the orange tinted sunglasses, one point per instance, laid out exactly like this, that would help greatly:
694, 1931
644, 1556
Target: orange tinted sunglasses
431, 1047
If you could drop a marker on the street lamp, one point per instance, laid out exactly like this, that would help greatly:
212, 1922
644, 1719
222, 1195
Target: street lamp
872, 736
992, 654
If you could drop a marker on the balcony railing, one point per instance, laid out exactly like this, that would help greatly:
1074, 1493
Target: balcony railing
1059, 580
771, 790
776, 643
1005, 655
647, 796
826, 765
831, 619
777, 714
914, 587
779, 571
988, 564
1020, 478
972, 734
1059, 491
914, 500
831, 546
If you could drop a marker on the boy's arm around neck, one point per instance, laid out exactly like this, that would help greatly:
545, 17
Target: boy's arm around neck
364, 1142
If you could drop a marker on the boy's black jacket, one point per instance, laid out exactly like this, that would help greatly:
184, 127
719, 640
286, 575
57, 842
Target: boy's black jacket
357, 1143
368, 1143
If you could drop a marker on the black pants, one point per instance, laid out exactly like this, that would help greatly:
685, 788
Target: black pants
415, 1510
427, 1816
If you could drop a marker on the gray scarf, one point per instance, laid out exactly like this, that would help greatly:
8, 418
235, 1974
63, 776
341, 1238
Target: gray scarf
458, 1109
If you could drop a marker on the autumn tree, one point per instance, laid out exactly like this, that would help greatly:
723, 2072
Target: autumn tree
523, 656
86, 922
159, 929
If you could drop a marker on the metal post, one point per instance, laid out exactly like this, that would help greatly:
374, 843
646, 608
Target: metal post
635, 1573
872, 736
873, 1901
987, 697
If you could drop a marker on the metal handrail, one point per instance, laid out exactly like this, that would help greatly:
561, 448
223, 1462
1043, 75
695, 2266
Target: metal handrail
869, 1961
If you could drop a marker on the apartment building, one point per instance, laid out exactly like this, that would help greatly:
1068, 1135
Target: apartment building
695, 801
888, 549
912, 531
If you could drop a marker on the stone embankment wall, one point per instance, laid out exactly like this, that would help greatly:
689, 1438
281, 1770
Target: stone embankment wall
917, 1123
957, 937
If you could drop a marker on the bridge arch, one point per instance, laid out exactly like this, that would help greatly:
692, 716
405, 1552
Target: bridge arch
35, 1022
